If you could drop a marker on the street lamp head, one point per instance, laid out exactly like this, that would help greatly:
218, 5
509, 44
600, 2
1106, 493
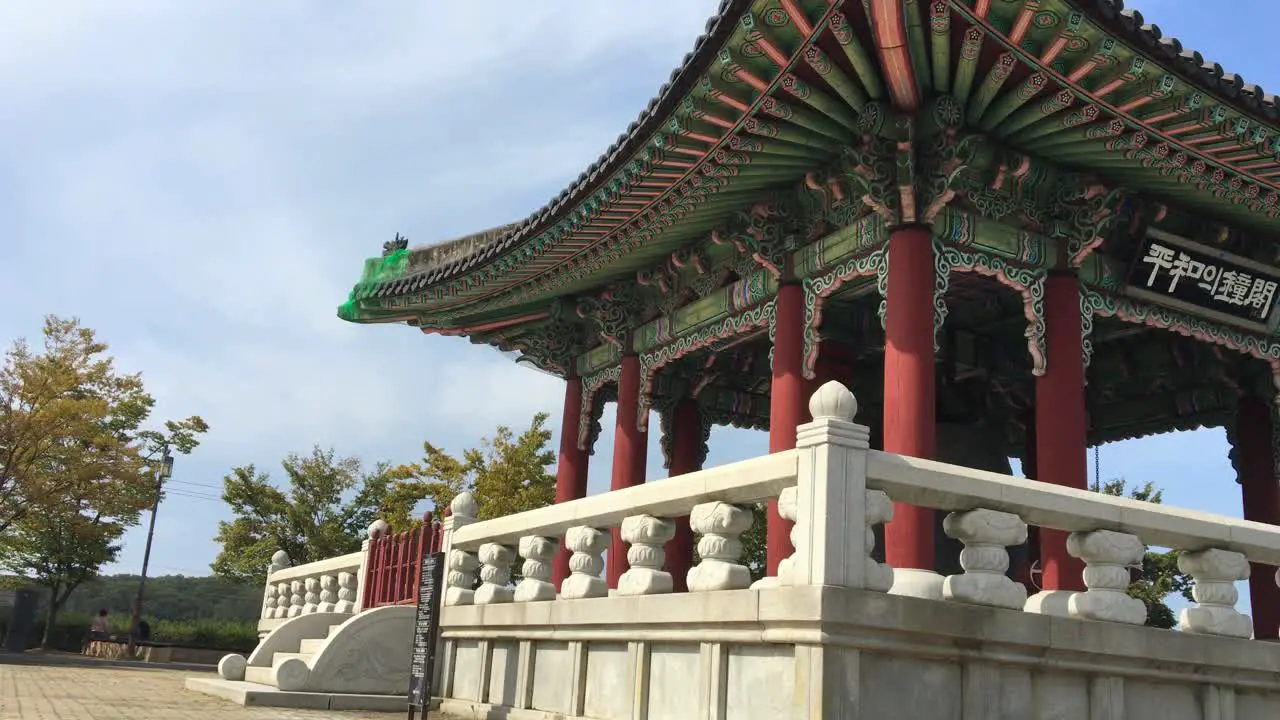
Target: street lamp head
166, 466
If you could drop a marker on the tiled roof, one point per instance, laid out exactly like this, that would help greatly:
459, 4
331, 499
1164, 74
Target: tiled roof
628, 143
1129, 26
1126, 25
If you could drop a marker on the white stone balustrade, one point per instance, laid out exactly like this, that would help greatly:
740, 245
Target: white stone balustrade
460, 580
1107, 556
787, 510
311, 600
328, 586
832, 484
538, 552
986, 535
585, 565
720, 525
879, 510
647, 536
297, 598
495, 574
1216, 573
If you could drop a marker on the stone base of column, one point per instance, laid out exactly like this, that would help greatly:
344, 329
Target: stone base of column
1049, 602
924, 584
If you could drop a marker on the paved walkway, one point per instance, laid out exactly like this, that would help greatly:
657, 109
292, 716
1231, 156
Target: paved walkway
67, 692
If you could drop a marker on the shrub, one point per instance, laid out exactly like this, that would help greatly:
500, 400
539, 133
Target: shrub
72, 631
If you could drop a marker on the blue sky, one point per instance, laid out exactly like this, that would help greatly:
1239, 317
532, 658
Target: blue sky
201, 180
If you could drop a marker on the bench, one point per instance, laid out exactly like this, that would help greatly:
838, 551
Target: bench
118, 649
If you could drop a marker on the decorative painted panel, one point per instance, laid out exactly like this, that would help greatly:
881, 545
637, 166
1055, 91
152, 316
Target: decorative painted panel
1094, 303
741, 323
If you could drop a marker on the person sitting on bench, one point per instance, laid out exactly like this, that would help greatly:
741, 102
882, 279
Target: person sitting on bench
100, 628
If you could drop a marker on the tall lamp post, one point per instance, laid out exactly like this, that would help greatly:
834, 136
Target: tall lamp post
164, 472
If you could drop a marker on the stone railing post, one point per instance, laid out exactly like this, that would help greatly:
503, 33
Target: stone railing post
1216, 573
1107, 555
537, 553
720, 525
271, 595
835, 512
461, 566
986, 535
586, 563
376, 528
647, 536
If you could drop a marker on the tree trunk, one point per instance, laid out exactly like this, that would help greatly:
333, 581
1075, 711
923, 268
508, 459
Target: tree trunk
50, 618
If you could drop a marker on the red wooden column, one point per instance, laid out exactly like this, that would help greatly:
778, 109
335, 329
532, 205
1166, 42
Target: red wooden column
1256, 466
686, 457
787, 403
1061, 423
910, 412
630, 448
571, 469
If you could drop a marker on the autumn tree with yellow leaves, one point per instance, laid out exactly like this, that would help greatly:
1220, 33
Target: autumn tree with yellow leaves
76, 466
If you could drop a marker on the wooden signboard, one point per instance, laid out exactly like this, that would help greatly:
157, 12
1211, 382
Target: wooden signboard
426, 631
1213, 280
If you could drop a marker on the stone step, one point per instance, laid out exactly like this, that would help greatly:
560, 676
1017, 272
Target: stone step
312, 645
333, 629
280, 657
260, 675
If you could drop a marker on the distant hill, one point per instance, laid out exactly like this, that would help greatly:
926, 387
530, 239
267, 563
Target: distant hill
168, 597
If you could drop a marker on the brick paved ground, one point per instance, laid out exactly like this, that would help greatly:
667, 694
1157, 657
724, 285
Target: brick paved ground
65, 692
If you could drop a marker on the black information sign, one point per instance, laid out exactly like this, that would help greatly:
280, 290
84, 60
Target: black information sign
426, 629
1203, 280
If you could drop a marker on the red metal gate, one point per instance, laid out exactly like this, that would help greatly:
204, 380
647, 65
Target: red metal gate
395, 563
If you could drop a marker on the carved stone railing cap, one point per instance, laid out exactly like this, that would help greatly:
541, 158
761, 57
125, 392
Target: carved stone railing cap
378, 527
833, 401
464, 505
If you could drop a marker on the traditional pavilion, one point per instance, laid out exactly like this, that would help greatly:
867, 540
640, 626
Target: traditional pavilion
1017, 228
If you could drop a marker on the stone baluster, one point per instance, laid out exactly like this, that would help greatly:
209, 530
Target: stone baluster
1216, 573
348, 591
647, 536
461, 578
586, 564
284, 598
787, 510
986, 535
297, 598
1107, 555
271, 602
720, 525
537, 553
879, 510
312, 597
495, 573
328, 594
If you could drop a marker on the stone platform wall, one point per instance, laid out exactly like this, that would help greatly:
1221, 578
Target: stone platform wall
769, 653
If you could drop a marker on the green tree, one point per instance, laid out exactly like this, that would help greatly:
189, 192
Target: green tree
59, 408
507, 474
325, 511
76, 467
1160, 576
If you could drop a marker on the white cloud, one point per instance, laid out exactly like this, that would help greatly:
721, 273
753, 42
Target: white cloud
201, 182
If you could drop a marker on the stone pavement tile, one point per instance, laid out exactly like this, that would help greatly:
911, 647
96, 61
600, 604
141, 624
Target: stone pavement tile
50, 692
